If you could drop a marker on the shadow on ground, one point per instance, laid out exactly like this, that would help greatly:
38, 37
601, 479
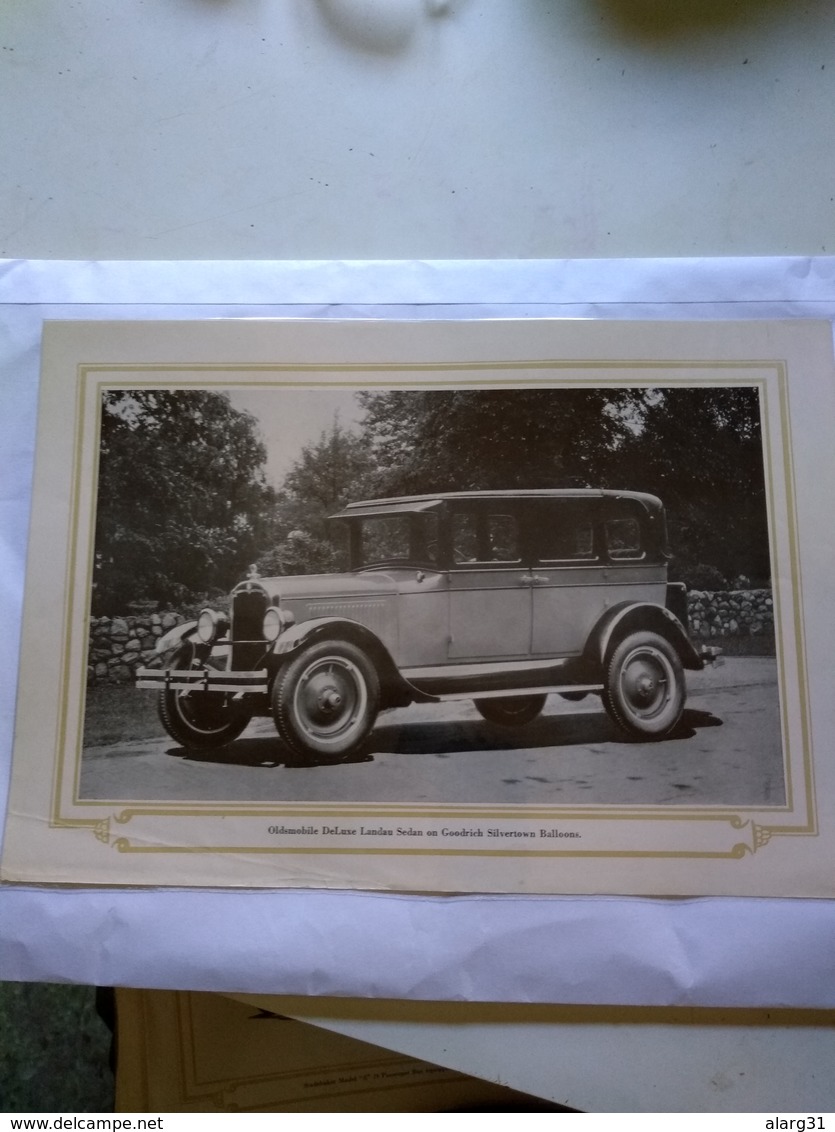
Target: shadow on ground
445, 737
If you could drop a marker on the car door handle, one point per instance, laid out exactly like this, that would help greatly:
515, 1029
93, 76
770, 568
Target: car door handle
532, 579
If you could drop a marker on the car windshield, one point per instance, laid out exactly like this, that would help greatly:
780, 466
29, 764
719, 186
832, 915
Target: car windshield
395, 539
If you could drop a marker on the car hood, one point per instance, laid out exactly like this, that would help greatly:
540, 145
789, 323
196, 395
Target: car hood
314, 586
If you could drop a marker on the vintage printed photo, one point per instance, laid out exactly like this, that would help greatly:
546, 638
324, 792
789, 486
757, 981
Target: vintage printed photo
518, 596
460, 607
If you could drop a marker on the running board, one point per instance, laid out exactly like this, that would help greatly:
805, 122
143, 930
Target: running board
512, 693
466, 681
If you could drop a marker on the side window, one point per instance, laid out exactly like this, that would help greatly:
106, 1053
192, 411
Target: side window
502, 538
623, 538
464, 538
484, 538
426, 536
384, 539
566, 536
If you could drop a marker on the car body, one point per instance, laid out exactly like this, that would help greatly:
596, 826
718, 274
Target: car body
500, 597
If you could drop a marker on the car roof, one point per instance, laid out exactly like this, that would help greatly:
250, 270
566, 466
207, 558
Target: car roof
421, 503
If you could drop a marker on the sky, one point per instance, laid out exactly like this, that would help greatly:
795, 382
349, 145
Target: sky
289, 419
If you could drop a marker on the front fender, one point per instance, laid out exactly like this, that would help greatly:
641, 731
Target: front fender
343, 629
175, 637
632, 617
298, 635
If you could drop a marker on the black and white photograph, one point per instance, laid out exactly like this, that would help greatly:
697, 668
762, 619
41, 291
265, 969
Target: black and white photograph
428, 606
515, 596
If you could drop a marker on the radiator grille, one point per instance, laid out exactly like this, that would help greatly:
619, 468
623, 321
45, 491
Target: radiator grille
248, 644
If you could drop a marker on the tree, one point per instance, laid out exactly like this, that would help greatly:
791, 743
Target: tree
327, 475
439, 440
700, 449
182, 498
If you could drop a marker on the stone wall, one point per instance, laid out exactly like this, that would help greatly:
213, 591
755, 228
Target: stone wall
729, 613
120, 645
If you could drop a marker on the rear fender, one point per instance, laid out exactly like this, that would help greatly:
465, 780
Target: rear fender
631, 617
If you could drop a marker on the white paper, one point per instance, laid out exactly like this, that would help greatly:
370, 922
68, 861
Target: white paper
528, 949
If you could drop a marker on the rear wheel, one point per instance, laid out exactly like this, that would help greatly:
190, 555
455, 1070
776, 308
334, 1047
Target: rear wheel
325, 700
511, 711
644, 691
197, 719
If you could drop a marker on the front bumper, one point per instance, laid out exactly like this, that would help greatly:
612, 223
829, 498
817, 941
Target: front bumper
202, 680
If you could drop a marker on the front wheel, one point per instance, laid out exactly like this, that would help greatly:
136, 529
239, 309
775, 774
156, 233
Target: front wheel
325, 700
511, 711
644, 690
199, 720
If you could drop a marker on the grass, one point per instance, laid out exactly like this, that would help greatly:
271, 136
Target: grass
54, 1050
118, 713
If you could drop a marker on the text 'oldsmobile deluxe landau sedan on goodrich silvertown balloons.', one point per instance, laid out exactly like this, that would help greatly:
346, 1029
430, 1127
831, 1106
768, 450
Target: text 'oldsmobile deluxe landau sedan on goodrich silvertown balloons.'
499, 597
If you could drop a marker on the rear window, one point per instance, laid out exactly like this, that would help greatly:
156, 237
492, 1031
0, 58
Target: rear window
623, 538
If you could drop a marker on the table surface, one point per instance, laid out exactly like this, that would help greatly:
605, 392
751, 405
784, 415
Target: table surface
605, 1059
426, 129
400, 129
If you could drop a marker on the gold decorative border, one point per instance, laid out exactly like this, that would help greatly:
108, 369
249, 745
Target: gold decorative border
92, 376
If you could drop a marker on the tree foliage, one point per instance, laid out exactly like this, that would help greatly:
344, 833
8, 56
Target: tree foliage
328, 474
183, 506
182, 498
700, 450
491, 439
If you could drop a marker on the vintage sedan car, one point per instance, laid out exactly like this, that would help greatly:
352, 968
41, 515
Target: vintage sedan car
499, 597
